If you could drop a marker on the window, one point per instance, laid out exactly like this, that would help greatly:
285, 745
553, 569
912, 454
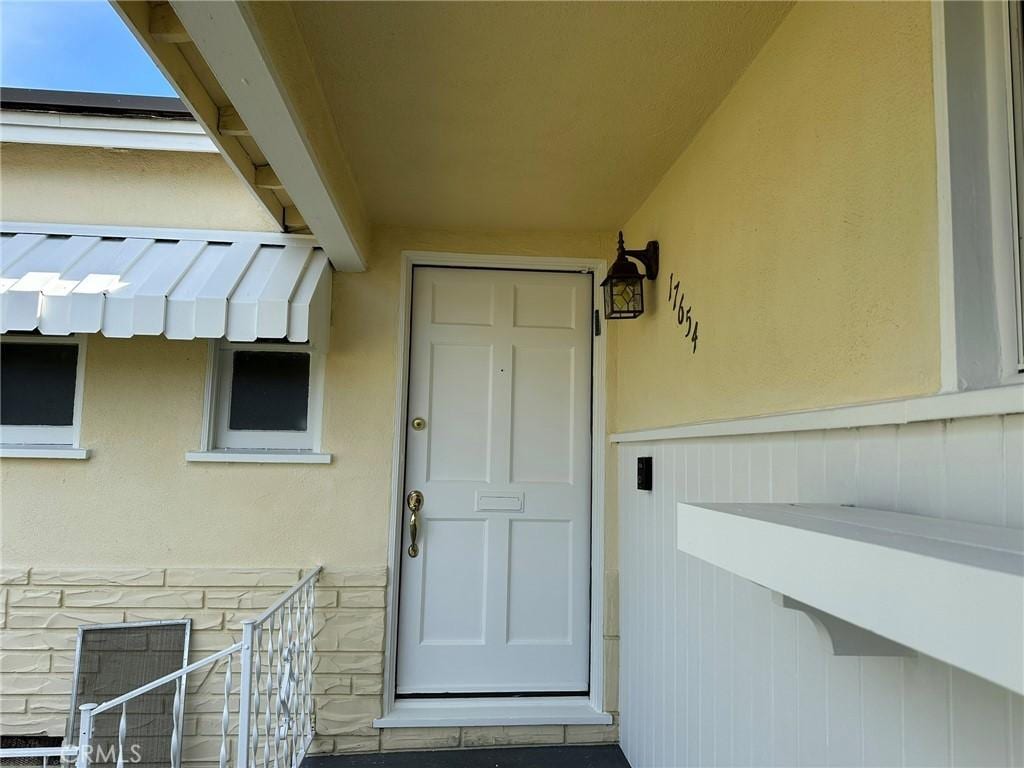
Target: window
1016, 24
265, 397
40, 390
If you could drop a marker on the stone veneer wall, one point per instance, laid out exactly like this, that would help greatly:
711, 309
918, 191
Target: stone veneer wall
41, 609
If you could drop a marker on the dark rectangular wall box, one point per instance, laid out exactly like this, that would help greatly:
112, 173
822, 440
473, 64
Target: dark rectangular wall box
645, 473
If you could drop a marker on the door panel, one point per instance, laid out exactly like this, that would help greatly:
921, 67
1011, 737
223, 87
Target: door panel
540, 582
542, 435
497, 599
458, 442
454, 611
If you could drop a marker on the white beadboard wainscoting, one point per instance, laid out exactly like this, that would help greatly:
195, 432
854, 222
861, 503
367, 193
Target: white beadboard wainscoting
715, 673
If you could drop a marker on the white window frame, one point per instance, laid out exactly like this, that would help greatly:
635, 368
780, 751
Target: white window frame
979, 248
220, 443
22, 441
1016, 128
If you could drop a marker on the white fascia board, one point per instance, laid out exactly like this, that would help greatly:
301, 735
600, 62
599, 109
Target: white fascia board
107, 132
158, 233
232, 48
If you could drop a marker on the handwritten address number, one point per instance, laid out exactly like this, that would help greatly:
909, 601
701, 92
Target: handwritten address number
684, 317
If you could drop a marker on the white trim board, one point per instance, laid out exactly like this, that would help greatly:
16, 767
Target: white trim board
176, 68
392, 708
947, 275
997, 401
976, 195
105, 132
546, 710
157, 233
233, 47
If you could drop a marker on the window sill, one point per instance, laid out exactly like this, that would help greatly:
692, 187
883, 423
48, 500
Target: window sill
259, 457
43, 452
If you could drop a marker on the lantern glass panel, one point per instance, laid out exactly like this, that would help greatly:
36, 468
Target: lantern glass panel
623, 297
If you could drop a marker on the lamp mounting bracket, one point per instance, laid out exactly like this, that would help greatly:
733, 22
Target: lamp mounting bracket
648, 256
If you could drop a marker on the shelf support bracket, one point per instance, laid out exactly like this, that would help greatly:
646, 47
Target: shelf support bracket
844, 638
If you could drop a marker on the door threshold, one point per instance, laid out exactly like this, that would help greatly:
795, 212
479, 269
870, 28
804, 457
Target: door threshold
541, 710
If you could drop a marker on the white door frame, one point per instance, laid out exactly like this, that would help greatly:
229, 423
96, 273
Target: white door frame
538, 709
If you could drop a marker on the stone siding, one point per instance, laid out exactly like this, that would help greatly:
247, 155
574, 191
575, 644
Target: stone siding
42, 608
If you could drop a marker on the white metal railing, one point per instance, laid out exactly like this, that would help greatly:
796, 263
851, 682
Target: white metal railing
274, 715
287, 680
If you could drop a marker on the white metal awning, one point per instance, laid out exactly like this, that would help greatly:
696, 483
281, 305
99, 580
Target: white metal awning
183, 284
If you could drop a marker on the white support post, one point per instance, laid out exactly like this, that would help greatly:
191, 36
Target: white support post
85, 736
245, 694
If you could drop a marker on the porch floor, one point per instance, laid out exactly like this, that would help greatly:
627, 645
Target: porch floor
604, 756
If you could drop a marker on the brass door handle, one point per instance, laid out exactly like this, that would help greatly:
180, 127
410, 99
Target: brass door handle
414, 501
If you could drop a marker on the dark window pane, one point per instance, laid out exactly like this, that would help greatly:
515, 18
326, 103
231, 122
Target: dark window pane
37, 384
270, 391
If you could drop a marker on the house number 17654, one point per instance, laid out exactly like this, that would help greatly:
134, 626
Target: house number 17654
684, 317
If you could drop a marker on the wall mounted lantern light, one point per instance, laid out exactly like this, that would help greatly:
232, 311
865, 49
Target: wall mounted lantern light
624, 286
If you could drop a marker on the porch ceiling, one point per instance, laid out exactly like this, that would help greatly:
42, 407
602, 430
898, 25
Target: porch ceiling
554, 116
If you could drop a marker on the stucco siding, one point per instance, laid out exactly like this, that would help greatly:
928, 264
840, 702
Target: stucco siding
137, 502
193, 539
85, 185
801, 224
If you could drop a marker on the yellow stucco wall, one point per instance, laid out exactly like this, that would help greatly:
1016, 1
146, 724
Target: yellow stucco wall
87, 185
802, 224
136, 501
801, 221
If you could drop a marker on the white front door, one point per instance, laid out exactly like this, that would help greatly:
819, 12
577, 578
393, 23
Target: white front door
497, 598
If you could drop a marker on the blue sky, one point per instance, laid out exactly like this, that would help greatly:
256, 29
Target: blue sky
73, 46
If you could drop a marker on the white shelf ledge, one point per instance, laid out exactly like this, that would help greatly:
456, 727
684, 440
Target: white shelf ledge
948, 589
540, 710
